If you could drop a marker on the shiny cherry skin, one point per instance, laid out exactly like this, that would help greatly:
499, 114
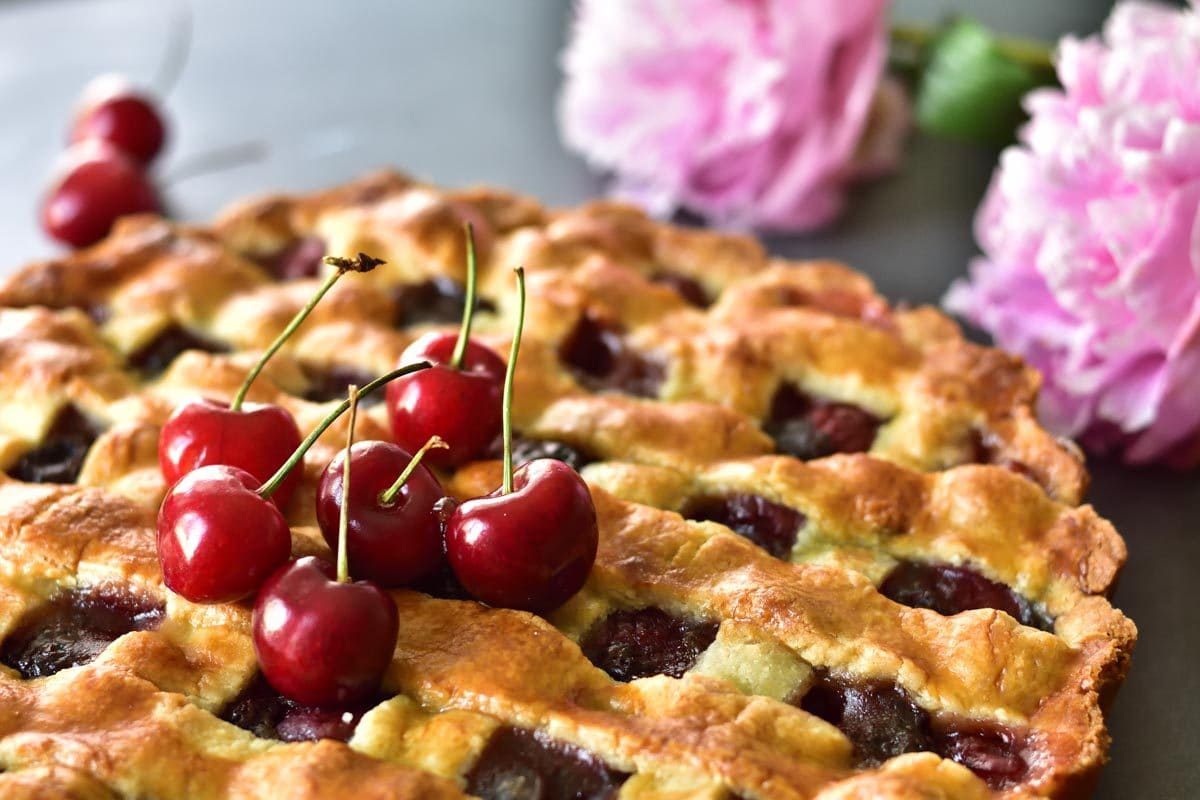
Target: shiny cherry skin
394, 544
97, 185
218, 539
321, 642
530, 549
460, 405
117, 114
258, 438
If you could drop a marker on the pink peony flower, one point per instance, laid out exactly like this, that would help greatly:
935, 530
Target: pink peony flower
749, 112
1091, 238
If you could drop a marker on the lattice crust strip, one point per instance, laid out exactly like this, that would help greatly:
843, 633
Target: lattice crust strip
708, 347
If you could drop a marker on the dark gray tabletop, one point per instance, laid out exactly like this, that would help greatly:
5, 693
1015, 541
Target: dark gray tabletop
462, 92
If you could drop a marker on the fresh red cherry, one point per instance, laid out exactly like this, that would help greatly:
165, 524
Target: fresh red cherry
394, 534
218, 538
321, 639
98, 184
255, 437
117, 114
458, 398
219, 533
530, 544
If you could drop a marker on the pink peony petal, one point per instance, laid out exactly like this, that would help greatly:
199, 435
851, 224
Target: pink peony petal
1091, 238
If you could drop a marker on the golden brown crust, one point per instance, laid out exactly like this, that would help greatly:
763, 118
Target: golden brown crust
139, 721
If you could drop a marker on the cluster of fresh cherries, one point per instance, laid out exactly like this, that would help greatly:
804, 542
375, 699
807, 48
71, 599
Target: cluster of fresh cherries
321, 638
116, 134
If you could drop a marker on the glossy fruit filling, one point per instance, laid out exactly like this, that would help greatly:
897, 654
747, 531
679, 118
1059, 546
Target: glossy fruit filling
771, 526
882, 722
949, 589
74, 627
807, 428
597, 355
519, 764
637, 644
60, 456
300, 259
269, 715
438, 300
153, 358
331, 382
686, 287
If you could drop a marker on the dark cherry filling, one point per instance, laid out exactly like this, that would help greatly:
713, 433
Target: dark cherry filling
948, 589
986, 450
60, 456
527, 449
73, 628
300, 259
519, 764
771, 526
598, 357
882, 722
637, 644
269, 715
438, 300
807, 428
332, 383
155, 356
687, 288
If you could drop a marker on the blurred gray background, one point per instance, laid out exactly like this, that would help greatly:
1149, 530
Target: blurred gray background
462, 91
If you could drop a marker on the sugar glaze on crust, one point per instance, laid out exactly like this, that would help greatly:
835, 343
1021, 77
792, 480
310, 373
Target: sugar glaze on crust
958, 472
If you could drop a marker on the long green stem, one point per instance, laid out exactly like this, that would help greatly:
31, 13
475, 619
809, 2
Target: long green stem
506, 408
268, 488
388, 495
343, 560
464, 333
363, 263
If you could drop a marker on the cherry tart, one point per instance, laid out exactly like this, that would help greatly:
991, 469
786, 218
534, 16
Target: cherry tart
835, 554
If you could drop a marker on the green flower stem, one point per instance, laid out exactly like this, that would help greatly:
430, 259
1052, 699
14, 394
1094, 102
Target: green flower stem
508, 382
464, 333
343, 559
388, 495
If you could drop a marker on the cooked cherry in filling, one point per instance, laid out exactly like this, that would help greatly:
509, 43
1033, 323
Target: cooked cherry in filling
771, 526
985, 450
74, 627
948, 589
61, 454
156, 355
300, 259
437, 300
637, 644
332, 383
687, 288
269, 715
527, 449
805, 427
882, 722
597, 355
519, 764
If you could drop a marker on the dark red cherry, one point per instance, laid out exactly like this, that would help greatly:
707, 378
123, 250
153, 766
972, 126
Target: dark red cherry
98, 185
115, 113
218, 539
258, 439
462, 406
392, 543
531, 548
323, 642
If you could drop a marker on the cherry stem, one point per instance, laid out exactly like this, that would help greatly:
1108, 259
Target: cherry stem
273, 483
509, 371
343, 560
388, 495
464, 333
363, 263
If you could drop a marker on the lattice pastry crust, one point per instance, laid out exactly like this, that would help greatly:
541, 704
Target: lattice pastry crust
670, 364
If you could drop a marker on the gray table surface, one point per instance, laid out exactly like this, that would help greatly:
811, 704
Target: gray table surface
462, 92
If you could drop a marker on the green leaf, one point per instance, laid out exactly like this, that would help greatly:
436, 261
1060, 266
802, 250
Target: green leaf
973, 83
